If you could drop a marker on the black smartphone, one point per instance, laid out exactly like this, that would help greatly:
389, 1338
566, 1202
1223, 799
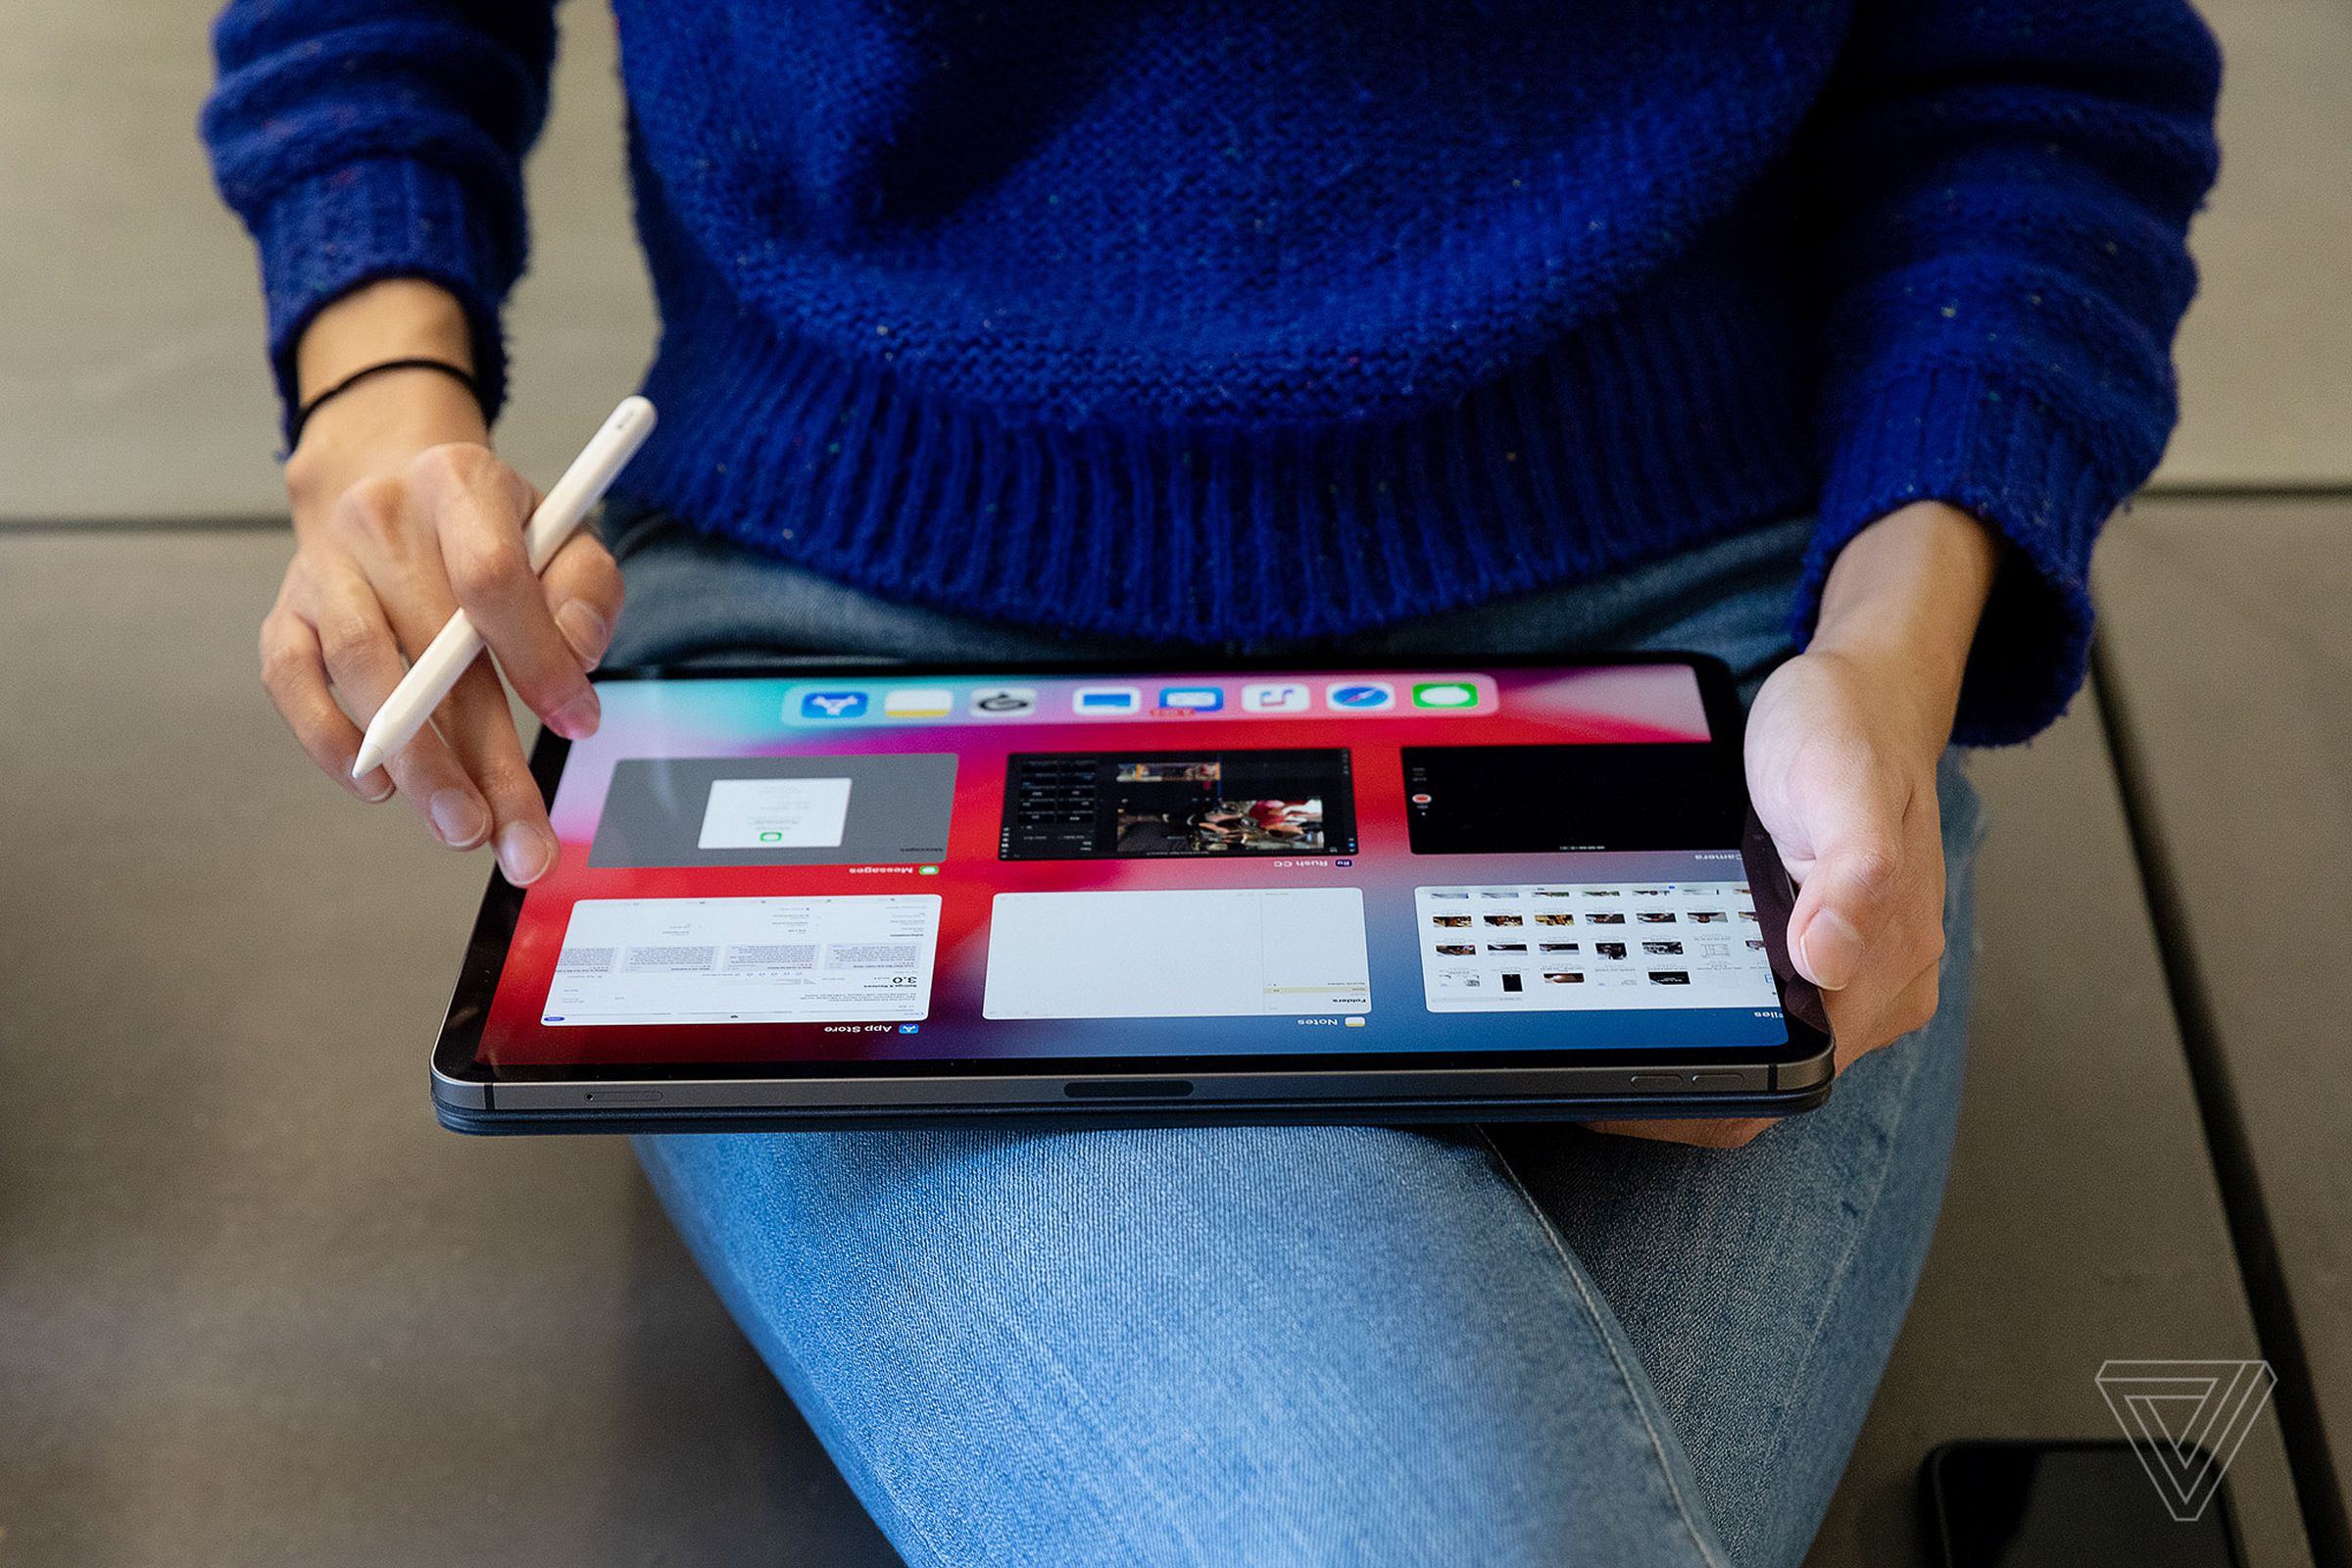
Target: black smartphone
2091, 1505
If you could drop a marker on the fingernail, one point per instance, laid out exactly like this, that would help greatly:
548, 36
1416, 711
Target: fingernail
375, 789
460, 818
1832, 950
524, 853
577, 720
585, 630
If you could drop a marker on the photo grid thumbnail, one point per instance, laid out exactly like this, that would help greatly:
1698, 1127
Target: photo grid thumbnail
1564, 946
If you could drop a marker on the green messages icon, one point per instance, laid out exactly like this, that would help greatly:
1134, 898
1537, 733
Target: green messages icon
1445, 694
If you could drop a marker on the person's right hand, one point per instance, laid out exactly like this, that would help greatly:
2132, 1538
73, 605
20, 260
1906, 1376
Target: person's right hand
402, 515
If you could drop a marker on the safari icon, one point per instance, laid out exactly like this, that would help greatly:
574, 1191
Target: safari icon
1361, 696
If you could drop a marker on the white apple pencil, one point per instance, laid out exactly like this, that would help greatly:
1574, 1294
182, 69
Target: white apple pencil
557, 519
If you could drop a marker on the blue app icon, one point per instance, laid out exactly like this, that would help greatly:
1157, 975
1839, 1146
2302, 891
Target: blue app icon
1106, 700
833, 704
1199, 699
1363, 695
911, 1028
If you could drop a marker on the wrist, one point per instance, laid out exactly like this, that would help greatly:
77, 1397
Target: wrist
376, 427
390, 319
1917, 577
1903, 603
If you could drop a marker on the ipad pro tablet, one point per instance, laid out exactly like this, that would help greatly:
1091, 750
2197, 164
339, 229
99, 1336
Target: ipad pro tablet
818, 894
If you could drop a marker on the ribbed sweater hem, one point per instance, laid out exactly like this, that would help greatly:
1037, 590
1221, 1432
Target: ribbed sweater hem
1636, 436
324, 236
1959, 436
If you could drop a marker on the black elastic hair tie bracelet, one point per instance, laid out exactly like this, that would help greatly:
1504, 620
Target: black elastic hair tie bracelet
302, 416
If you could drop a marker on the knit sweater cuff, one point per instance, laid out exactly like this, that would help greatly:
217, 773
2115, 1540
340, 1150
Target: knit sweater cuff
327, 235
1954, 435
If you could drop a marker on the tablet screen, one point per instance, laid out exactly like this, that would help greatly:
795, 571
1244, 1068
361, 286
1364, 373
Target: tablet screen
918, 868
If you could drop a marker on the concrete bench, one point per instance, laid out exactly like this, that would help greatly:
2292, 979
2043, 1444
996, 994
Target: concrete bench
2084, 1220
2228, 657
255, 1306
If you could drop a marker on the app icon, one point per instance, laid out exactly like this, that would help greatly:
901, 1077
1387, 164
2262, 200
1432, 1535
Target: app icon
1107, 700
918, 702
832, 705
911, 1028
1276, 697
926, 870
1445, 694
1354, 1020
1004, 702
1193, 699
1362, 696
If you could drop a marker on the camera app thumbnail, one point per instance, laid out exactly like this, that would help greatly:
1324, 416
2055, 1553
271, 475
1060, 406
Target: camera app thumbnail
1548, 799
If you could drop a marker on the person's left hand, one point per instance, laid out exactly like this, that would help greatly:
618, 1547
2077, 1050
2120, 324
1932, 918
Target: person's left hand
1842, 744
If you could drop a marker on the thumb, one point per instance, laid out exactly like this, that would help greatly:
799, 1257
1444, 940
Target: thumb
1848, 895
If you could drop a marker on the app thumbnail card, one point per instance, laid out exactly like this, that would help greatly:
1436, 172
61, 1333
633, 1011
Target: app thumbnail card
1461, 975
745, 961
1078, 806
1191, 953
1545, 800
887, 809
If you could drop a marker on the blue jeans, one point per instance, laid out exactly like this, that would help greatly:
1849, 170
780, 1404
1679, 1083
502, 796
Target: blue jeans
1348, 1345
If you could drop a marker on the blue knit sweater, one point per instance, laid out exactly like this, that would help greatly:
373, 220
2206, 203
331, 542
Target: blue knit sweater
1227, 321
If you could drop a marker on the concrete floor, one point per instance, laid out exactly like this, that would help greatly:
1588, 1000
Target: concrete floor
256, 1306
2228, 653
